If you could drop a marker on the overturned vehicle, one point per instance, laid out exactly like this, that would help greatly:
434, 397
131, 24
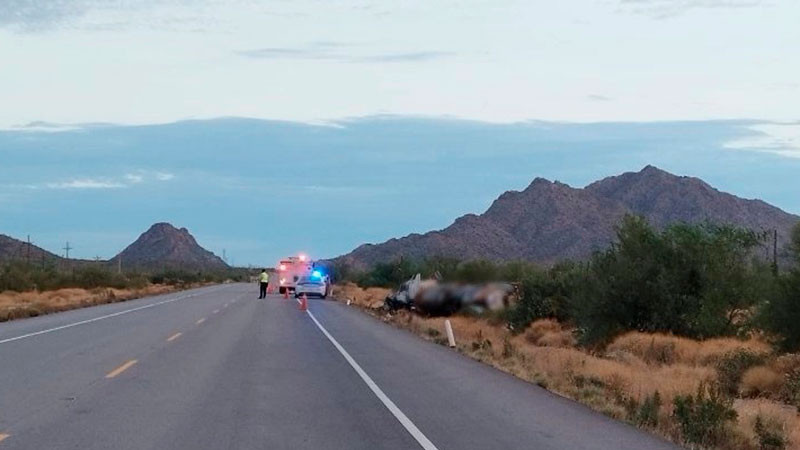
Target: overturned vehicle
443, 299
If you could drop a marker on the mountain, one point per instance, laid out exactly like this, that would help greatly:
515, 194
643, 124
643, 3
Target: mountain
551, 221
164, 246
15, 250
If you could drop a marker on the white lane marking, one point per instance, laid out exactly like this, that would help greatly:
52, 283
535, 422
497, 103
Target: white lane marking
412, 429
84, 322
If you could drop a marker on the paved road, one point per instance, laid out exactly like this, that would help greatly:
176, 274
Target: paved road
215, 368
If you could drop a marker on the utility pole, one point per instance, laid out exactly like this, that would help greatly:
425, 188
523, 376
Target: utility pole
67, 249
224, 256
28, 255
119, 265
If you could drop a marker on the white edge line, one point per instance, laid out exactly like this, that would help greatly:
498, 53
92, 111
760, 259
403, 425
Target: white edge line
412, 429
84, 322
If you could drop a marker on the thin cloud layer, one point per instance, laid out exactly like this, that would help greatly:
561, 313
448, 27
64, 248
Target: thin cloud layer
43, 15
664, 9
85, 183
93, 183
338, 52
778, 138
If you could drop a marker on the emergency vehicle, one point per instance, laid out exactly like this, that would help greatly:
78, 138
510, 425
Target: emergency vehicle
315, 285
291, 270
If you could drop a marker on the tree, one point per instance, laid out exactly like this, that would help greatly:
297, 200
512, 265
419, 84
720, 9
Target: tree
694, 280
781, 315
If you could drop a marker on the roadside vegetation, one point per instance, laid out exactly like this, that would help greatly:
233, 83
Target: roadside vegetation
686, 331
28, 290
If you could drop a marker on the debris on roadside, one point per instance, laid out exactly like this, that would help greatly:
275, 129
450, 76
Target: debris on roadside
443, 299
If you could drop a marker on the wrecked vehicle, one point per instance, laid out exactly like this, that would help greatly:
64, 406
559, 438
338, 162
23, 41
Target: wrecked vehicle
442, 299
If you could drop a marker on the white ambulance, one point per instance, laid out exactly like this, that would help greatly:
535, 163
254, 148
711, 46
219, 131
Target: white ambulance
289, 272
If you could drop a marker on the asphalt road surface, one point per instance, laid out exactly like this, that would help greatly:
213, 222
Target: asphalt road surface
215, 368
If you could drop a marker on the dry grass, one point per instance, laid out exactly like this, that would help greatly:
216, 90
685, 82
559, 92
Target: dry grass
366, 298
762, 381
17, 305
785, 416
657, 348
631, 368
549, 333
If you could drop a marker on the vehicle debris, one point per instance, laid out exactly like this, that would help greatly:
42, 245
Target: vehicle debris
443, 299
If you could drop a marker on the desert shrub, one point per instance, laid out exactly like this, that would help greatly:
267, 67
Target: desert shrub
732, 366
691, 280
781, 316
14, 277
389, 275
704, 417
96, 276
476, 271
646, 414
545, 294
770, 434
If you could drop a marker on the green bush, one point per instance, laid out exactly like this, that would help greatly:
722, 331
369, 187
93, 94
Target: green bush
781, 314
646, 414
545, 294
704, 417
691, 280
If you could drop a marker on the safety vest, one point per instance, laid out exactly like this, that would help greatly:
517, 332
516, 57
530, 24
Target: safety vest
264, 277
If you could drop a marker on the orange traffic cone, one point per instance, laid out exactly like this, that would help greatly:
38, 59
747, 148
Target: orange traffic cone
303, 303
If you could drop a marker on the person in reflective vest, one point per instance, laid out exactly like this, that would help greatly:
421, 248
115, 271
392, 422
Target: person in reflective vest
263, 281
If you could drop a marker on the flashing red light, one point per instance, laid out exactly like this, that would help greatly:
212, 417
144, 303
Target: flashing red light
282, 267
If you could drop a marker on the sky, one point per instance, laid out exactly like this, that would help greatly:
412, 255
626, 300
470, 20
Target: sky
356, 121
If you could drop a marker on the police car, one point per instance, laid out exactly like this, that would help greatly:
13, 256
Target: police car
316, 284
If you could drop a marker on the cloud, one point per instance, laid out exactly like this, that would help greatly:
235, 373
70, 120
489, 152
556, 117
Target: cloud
340, 52
777, 138
164, 176
134, 178
598, 98
402, 57
125, 181
664, 9
85, 183
42, 15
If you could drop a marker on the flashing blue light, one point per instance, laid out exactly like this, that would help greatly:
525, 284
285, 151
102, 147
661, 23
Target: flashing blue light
316, 274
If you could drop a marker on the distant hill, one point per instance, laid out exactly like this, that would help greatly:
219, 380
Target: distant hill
551, 221
164, 246
15, 250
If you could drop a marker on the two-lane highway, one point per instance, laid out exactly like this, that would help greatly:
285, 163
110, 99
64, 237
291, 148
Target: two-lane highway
215, 368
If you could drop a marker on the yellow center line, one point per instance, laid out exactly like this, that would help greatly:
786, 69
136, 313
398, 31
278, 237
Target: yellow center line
200, 321
4, 436
216, 311
173, 337
121, 369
